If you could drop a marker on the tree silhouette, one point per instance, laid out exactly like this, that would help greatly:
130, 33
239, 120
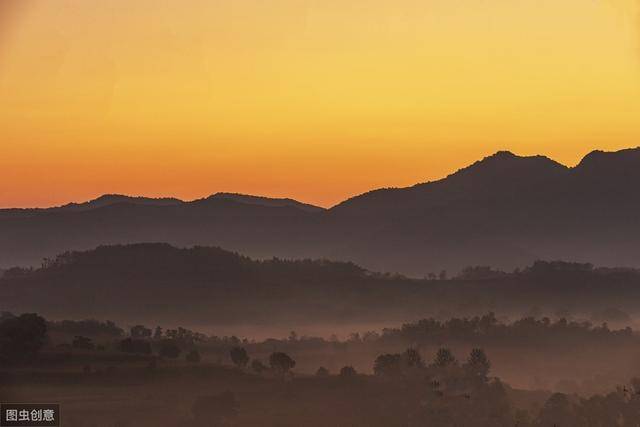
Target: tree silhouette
281, 363
139, 331
388, 365
413, 359
444, 358
557, 411
157, 334
348, 372
478, 364
239, 357
22, 337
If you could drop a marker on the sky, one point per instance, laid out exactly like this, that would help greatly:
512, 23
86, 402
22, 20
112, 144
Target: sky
317, 100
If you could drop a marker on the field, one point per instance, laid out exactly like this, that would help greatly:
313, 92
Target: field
133, 394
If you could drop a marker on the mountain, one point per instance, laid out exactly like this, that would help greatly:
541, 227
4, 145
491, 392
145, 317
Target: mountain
100, 202
497, 177
112, 199
28, 236
507, 210
504, 210
266, 201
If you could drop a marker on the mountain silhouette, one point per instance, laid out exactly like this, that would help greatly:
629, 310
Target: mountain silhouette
505, 211
266, 201
499, 176
112, 199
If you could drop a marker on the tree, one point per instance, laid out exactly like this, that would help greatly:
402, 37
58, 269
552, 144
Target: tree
22, 337
139, 331
348, 372
444, 358
322, 372
169, 349
281, 362
193, 356
388, 365
258, 367
413, 359
83, 343
478, 364
86, 328
557, 411
239, 357
157, 334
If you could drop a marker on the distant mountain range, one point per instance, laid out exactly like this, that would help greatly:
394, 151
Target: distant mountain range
505, 211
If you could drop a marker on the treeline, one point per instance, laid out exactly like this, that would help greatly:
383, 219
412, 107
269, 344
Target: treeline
527, 331
162, 258
21, 337
153, 281
481, 331
413, 391
199, 260
442, 392
89, 327
545, 270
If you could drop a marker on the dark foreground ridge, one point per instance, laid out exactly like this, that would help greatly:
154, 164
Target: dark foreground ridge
206, 285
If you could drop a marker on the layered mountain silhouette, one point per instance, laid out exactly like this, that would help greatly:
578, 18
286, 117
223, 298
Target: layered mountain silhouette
505, 211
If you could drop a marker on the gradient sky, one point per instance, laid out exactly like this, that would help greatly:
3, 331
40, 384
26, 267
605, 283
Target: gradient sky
312, 99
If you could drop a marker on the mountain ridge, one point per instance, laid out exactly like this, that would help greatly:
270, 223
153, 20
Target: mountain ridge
504, 210
106, 200
591, 159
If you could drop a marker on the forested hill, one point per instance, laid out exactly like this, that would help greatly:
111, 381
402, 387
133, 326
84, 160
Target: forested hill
204, 283
153, 261
208, 284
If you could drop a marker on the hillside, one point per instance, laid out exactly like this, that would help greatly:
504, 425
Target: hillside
212, 286
505, 211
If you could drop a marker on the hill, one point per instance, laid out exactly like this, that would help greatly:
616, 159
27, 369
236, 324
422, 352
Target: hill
267, 201
505, 211
211, 286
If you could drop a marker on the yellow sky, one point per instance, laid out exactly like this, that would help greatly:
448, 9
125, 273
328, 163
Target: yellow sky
312, 99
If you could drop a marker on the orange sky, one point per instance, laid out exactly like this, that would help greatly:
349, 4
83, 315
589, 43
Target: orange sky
312, 99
